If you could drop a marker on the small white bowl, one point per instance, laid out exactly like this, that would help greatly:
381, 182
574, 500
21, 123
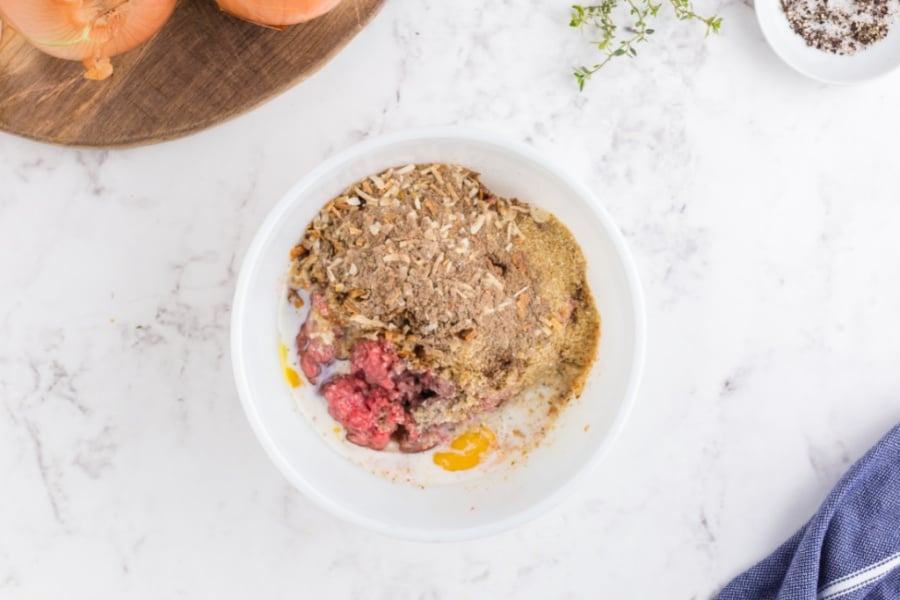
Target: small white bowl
505, 496
871, 62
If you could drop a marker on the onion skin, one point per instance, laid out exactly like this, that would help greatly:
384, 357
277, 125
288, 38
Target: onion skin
87, 30
277, 13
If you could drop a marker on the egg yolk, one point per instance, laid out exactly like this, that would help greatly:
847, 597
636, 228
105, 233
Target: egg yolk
466, 451
293, 378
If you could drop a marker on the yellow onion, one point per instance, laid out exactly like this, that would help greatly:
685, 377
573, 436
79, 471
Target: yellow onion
87, 30
277, 13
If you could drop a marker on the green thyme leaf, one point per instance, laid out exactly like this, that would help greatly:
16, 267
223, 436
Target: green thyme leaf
598, 18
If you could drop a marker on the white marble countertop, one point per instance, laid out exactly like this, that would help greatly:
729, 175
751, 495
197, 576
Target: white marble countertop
763, 212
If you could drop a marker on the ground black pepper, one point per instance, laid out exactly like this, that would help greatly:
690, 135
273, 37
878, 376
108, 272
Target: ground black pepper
840, 26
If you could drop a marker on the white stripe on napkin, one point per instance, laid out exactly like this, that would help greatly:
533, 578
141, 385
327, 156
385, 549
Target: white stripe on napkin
860, 579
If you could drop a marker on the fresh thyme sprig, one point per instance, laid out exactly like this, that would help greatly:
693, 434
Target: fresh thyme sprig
599, 17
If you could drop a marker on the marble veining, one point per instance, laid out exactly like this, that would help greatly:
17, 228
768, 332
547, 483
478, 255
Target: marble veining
762, 212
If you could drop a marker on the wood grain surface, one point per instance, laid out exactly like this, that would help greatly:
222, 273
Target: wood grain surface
202, 68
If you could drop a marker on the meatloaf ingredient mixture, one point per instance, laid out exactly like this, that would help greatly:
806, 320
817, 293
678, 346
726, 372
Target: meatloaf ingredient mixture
446, 300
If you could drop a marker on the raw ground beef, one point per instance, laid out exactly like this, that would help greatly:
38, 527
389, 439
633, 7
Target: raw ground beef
315, 341
369, 413
376, 401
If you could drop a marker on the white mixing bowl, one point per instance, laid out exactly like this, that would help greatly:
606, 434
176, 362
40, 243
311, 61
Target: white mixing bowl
506, 496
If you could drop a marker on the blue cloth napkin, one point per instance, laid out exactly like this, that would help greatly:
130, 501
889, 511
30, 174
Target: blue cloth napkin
849, 550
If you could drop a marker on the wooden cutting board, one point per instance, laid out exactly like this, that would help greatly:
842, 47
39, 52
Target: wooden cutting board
202, 68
